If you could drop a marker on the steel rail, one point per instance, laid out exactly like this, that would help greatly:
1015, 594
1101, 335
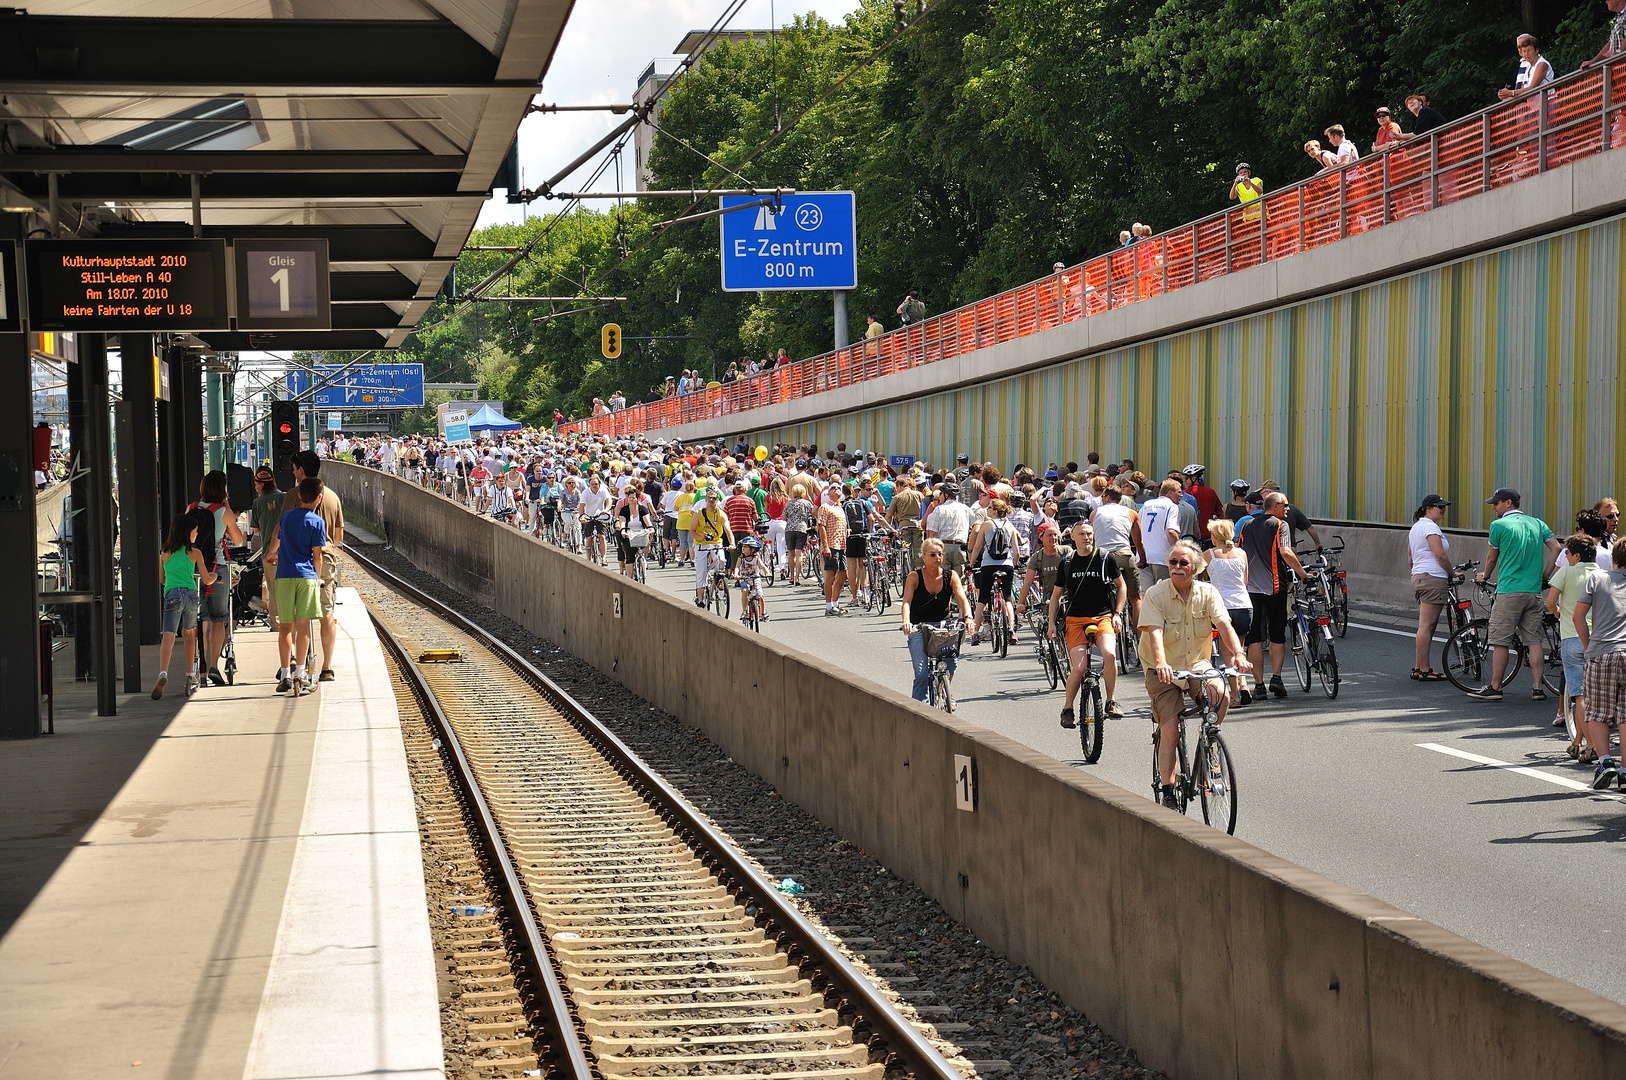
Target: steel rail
713, 848
573, 1056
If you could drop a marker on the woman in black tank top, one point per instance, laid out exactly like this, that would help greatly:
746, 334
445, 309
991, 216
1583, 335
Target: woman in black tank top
921, 604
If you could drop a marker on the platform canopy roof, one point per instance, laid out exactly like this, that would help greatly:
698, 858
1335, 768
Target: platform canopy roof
379, 124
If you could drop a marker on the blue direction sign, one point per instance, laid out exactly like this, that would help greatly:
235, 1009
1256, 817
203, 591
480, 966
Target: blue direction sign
811, 243
365, 386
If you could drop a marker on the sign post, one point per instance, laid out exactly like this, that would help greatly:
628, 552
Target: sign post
457, 426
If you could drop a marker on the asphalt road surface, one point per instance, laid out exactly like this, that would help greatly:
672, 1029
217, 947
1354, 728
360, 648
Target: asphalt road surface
1468, 814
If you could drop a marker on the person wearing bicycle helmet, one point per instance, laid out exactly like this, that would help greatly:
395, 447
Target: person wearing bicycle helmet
1206, 498
750, 567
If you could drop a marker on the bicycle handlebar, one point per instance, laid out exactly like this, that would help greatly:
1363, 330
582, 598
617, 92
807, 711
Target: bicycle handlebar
1209, 674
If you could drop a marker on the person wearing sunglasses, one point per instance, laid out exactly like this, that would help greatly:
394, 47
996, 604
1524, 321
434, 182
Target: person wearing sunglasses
1609, 510
929, 594
1178, 618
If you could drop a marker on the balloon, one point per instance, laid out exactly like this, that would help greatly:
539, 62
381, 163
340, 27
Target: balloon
762, 453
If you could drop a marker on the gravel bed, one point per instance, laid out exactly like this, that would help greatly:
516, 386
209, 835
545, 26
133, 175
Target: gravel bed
1011, 1016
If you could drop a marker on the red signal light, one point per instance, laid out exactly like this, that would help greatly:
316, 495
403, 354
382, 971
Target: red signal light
286, 428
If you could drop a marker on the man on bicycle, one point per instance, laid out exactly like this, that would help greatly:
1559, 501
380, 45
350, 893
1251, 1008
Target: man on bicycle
596, 513
712, 537
1090, 582
1177, 620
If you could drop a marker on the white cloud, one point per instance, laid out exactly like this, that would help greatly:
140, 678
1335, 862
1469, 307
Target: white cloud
605, 47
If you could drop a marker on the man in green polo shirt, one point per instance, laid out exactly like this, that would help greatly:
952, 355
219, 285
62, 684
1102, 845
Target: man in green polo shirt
264, 515
1523, 548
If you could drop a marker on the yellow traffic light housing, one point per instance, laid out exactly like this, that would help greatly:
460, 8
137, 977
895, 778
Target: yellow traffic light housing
610, 341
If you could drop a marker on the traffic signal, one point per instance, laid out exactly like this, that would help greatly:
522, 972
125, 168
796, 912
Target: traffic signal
900, 15
284, 441
610, 341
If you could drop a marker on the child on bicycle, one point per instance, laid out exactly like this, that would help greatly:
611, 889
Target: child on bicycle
751, 567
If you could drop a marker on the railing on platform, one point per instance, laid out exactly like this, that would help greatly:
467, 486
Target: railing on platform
1576, 117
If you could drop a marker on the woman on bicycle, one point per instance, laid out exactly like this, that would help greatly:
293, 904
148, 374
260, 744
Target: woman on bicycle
633, 515
1430, 574
1228, 572
928, 596
994, 549
774, 505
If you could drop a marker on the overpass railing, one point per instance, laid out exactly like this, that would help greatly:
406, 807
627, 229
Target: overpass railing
1576, 117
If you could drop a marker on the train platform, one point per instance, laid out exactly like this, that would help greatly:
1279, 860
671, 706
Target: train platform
225, 886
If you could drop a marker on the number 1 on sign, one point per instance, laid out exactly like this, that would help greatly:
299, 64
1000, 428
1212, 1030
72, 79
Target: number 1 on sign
965, 783
281, 278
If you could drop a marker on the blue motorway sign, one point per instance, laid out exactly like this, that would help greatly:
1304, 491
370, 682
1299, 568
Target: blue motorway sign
811, 243
364, 386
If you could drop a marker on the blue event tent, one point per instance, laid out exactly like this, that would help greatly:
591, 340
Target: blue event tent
486, 420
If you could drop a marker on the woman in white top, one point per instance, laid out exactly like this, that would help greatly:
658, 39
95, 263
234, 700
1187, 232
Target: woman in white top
1228, 572
1430, 575
1534, 70
994, 560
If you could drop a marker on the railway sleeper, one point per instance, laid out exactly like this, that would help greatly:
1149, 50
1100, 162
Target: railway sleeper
754, 1045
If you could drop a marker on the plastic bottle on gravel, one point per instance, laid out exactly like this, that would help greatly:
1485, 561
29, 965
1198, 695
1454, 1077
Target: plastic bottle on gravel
470, 909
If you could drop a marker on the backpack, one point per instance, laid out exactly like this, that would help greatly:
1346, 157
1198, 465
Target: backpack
999, 544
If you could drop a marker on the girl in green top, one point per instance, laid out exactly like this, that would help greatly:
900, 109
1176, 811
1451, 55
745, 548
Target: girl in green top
181, 565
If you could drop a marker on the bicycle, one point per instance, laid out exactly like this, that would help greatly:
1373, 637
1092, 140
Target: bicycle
770, 555
717, 592
942, 643
1468, 655
879, 595
1128, 644
1092, 718
755, 606
598, 529
999, 626
1213, 780
1310, 640
1053, 659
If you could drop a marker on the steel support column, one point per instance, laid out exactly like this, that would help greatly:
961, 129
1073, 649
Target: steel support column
215, 406
93, 518
140, 522
20, 688
186, 390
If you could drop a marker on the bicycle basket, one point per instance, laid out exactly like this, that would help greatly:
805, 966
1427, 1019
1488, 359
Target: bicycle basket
944, 643
638, 538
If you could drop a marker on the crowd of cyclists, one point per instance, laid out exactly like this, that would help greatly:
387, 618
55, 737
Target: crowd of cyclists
1161, 573
1099, 569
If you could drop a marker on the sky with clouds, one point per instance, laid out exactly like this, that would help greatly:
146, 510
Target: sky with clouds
606, 45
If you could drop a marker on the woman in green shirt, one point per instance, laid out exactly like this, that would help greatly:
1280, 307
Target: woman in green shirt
181, 566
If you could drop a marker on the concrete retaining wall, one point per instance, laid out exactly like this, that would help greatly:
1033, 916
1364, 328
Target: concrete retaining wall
1215, 960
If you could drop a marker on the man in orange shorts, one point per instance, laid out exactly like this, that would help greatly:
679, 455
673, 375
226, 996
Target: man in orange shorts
1089, 583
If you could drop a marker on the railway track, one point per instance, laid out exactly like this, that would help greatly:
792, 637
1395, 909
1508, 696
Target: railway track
653, 946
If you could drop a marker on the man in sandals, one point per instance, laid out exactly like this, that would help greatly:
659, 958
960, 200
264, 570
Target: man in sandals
1522, 552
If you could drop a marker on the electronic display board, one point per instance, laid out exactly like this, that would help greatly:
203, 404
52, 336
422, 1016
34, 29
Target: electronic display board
118, 285
282, 284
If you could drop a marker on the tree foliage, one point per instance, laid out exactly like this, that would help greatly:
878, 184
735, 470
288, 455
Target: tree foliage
994, 138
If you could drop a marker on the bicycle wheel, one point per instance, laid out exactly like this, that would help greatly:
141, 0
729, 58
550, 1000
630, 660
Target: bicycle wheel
1128, 649
758, 613
1002, 629
1340, 608
944, 697
1301, 650
1327, 669
1216, 782
1049, 661
751, 614
886, 594
1183, 784
1091, 725
1552, 661
1466, 656
723, 601
660, 556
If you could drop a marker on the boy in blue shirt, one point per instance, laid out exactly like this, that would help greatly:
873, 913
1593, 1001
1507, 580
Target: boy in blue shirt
298, 548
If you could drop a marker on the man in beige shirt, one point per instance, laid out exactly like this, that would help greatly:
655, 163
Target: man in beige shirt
1177, 618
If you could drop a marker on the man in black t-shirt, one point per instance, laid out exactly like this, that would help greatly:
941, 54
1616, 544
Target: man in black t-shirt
1088, 583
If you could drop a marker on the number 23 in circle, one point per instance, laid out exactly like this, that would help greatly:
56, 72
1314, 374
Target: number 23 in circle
809, 216
965, 783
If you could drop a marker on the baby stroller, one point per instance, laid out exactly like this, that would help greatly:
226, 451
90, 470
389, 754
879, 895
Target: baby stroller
248, 608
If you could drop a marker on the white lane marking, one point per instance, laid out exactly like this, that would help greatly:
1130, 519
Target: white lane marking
1388, 630
1560, 781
